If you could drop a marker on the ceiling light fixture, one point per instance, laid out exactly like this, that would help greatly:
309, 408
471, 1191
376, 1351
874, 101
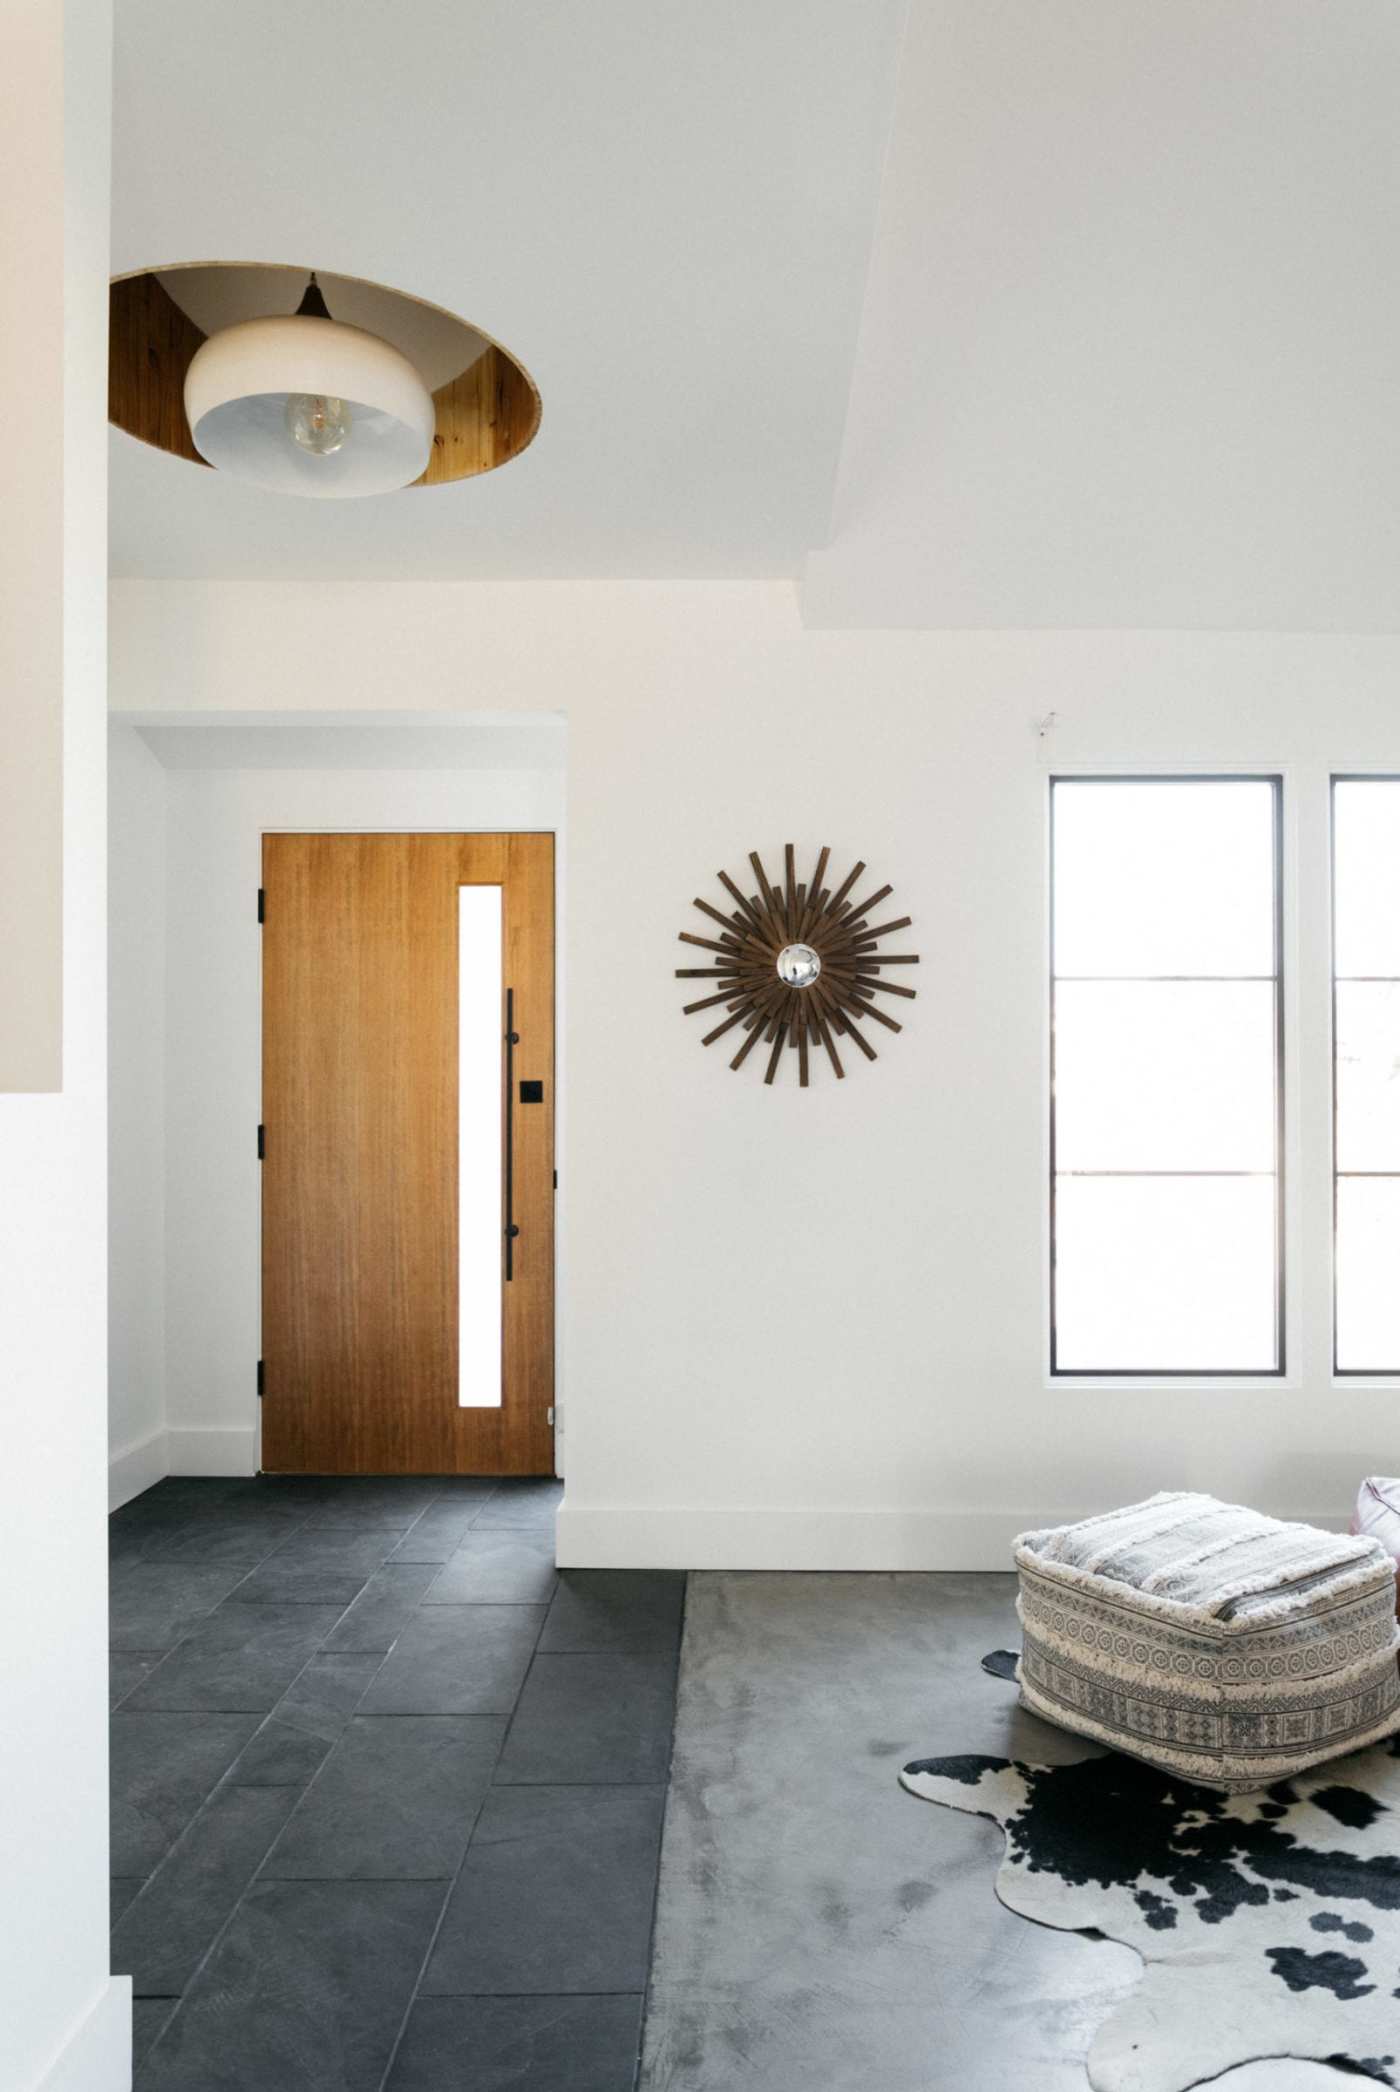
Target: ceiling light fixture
303, 404
311, 421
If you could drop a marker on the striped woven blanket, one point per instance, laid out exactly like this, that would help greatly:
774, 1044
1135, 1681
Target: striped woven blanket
1200, 1552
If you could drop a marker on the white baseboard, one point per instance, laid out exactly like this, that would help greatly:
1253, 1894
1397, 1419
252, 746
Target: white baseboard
132, 1468
96, 2057
213, 1449
627, 1536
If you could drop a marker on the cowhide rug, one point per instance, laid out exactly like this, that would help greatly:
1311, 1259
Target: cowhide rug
1268, 1924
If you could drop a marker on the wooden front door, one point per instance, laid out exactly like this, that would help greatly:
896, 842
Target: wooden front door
380, 1355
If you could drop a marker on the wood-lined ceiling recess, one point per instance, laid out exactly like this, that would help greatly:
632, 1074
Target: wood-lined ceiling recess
486, 414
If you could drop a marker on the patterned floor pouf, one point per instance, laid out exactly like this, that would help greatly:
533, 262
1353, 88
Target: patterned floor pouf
1209, 1640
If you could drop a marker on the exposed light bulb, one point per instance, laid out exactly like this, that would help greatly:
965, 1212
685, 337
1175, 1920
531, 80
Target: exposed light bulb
317, 422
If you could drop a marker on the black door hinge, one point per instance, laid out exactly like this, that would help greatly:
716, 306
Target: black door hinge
556, 1180
262, 904
262, 1143
260, 1380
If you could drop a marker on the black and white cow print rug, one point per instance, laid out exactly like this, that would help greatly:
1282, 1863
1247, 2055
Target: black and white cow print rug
1268, 1923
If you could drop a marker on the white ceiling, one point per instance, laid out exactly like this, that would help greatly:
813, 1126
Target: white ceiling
664, 209
1114, 339
1131, 347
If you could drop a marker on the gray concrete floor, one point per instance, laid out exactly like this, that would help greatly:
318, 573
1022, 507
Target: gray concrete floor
820, 1930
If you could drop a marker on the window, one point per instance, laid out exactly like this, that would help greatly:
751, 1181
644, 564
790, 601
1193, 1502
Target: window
1366, 1071
1166, 1076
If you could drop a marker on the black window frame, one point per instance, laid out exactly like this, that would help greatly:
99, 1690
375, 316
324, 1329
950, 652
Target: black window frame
1279, 1370
1390, 777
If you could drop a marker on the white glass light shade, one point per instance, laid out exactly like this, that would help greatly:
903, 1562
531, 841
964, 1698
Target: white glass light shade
240, 380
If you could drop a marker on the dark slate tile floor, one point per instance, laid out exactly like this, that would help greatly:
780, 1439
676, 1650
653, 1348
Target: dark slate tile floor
387, 1788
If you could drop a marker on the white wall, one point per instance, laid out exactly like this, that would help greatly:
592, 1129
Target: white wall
64, 2024
808, 1329
32, 201
136, 1114
205, 1271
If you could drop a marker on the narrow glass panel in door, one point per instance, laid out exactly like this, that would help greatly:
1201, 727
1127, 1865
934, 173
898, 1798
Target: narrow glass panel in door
480, 1208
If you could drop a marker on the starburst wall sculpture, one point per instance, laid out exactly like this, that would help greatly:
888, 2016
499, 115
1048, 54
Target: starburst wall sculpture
797, 966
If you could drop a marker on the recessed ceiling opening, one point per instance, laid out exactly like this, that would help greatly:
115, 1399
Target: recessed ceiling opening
471, 404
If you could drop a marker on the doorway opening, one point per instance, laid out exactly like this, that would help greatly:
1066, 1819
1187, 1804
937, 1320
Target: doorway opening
192, 797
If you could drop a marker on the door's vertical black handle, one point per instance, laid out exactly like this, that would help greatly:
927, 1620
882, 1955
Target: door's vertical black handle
512, 1041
